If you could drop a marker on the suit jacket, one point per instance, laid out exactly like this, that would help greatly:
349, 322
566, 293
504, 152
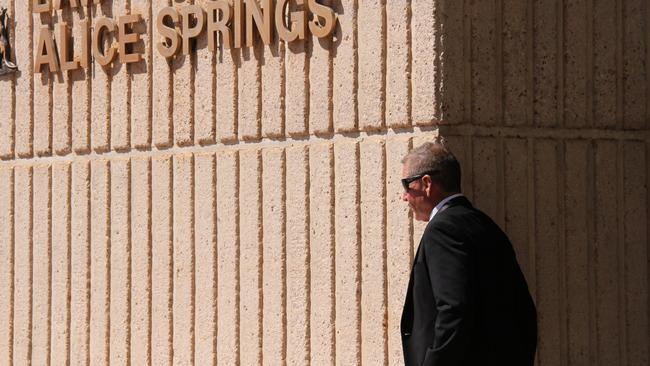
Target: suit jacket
467, 301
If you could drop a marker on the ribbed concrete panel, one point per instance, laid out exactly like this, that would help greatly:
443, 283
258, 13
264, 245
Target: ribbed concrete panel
249, 92
228, 259
140, 271
61, 250
101, 92
24, 86
42, 84
183, 96
545, 32
605, 60
62, 100
161, 260
244, 206
398, 246
7, 98
120, 263
373, 249
578, 253
141, 76
347, 221
100, 250
425, 63
80, 262
120, 102
515, 46
162, 124
295, 88
371, 31
397, 63
635, 250
41, 261
80, 81
486, 60
606, 263
205, 321
22, 301
251, 248
204, 90
297, 247
184, 308
273, 98
274, 256
320, 85
549, 256
7, 260
322, 254
344, 65
226, 96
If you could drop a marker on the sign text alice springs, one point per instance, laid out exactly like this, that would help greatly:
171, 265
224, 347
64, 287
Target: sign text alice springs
228, 23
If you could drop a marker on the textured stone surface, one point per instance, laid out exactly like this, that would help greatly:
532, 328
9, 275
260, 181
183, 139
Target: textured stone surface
244, 206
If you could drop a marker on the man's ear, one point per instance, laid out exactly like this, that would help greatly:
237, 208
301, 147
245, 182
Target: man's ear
428, 185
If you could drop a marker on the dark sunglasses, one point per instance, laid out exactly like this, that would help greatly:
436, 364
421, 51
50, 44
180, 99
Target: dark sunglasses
408, 180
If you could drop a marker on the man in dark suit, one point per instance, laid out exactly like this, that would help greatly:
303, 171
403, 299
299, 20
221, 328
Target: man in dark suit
467, 302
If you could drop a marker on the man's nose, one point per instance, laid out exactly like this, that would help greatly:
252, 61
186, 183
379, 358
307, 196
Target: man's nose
404, 196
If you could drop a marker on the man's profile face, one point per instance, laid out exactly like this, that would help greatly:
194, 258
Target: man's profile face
417, 196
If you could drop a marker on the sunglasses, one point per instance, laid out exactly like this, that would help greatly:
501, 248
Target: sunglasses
408, 180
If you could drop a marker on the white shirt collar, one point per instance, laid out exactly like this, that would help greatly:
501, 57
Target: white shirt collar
442, 204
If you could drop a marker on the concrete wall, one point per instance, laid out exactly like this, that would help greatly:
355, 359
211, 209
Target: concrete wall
243, 207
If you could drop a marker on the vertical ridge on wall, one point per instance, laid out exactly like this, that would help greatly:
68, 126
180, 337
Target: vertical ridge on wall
229, 337
372, 55
60, 312
635, 239
604, 57
62, 102
162, 261
251, 250
101, 94
81, 87
397, 62
7, 260
205, 274
183, 71
42, 89
140, 263
424, 27
120, 92
484, 95
296, 92
100, 265
297, 249
41, 259
249, 93
320, 83
204, 89
184, 258
274, 256
24, 86
120, 263
345, 66
140, 73
22, 322
399, 249
606, 258
272, 94
8, 96
80, 262
322, 255
162, 93
373, 252
347, 222
227, 94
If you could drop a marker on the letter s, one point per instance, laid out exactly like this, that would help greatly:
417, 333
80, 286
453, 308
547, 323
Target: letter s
327, 14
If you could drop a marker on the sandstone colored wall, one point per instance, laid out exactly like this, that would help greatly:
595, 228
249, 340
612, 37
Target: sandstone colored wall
243, 207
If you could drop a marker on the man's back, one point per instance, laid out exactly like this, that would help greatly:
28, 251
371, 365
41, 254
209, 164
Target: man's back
467, 301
